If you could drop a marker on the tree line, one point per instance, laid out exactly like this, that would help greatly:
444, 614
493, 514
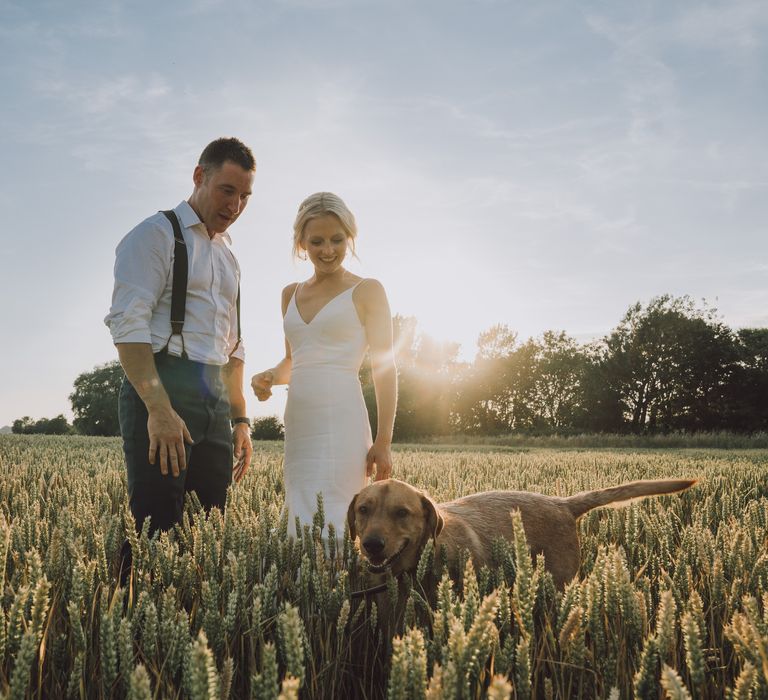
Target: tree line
43, 426
668, 365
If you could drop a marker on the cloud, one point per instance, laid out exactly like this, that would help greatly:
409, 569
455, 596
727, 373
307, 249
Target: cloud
727, 25
106, 120
20, 30
104, 96
648, 84
556, 133
95, 21
332, 4
644, 44
200, 7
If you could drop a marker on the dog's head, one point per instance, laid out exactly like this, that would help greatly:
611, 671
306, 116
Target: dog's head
393, 521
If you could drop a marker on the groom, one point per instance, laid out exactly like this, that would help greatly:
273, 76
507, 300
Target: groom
175, 320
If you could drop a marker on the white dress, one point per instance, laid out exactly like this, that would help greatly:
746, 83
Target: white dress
327, 432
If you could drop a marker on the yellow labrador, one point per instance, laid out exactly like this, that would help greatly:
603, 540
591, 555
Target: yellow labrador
394, 520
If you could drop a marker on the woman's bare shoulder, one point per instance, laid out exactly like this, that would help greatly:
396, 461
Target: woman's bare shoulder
369, 296
286, 295
370, 288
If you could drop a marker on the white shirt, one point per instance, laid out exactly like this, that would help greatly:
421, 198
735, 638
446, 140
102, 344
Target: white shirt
141, 300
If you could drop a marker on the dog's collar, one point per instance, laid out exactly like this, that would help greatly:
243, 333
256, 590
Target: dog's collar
368, 591
380, 588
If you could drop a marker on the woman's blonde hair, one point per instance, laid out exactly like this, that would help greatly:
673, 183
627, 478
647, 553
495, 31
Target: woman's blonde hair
322, 204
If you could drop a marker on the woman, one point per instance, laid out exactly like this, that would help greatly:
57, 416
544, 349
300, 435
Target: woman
330, 320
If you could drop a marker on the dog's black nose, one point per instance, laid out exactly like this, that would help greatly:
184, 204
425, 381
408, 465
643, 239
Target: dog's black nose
374, 545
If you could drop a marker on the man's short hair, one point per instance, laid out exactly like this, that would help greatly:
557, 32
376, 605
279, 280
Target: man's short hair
217, 152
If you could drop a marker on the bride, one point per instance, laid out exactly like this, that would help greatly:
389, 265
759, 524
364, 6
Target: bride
330, 320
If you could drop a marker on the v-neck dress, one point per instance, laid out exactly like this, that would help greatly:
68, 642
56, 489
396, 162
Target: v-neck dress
327, 432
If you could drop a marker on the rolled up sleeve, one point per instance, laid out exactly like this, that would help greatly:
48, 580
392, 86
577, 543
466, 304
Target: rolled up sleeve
239, 352
142, 268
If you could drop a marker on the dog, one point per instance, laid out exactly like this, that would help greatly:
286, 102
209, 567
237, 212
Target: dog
394, 520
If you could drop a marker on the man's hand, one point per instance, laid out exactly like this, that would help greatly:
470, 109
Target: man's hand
243, 450
167, 435
241, 432
380, 454
261, 384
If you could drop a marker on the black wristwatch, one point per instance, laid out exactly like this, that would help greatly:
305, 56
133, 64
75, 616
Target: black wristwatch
240, 419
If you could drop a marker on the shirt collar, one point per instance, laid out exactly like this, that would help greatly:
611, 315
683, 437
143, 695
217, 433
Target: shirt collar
189, 219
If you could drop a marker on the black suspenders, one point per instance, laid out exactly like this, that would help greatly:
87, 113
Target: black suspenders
179, 288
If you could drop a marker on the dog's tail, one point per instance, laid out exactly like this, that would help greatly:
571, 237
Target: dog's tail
583, 502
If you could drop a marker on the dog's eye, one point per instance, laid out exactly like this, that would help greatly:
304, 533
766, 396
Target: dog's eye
401, 513
363, 510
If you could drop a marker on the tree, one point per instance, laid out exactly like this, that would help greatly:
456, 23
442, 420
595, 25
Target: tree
267, 428
426, 370
425, 389
603, 409
497, 393
559, 380
22, 426
745, 401
496, 343
58, 426
706, 376
94, 400
669, 363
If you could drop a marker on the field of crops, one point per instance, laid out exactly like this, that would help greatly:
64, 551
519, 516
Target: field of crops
671, 600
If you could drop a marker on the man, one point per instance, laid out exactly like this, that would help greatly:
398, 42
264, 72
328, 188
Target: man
184, 381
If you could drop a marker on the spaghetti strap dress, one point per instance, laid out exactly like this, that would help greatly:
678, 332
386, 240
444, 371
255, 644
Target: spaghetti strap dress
327, 431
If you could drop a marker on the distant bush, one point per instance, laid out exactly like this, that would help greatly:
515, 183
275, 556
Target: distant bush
268, 428
44, 426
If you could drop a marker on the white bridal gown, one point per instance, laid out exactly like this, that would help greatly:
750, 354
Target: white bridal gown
327, 433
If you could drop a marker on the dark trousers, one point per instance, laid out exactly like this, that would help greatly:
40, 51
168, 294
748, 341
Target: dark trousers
198, 395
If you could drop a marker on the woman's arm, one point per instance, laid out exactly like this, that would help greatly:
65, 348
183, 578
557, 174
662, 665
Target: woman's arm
263, 382
377, 320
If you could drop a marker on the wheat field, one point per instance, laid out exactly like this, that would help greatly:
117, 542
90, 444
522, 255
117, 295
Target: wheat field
671, 599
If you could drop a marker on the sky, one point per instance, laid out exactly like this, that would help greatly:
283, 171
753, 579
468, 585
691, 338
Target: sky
539, 164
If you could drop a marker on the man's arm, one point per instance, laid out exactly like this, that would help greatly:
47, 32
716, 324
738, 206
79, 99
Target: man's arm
241, 432
167, 431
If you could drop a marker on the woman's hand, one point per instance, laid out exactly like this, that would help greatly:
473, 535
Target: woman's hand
380, 454
262, 384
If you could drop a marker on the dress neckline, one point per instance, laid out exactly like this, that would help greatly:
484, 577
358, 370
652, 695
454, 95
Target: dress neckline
320, 310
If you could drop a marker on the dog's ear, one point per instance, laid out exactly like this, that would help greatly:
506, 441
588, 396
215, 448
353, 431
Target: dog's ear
351, 519
433, 518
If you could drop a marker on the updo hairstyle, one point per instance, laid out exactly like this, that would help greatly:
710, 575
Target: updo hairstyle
321, 204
